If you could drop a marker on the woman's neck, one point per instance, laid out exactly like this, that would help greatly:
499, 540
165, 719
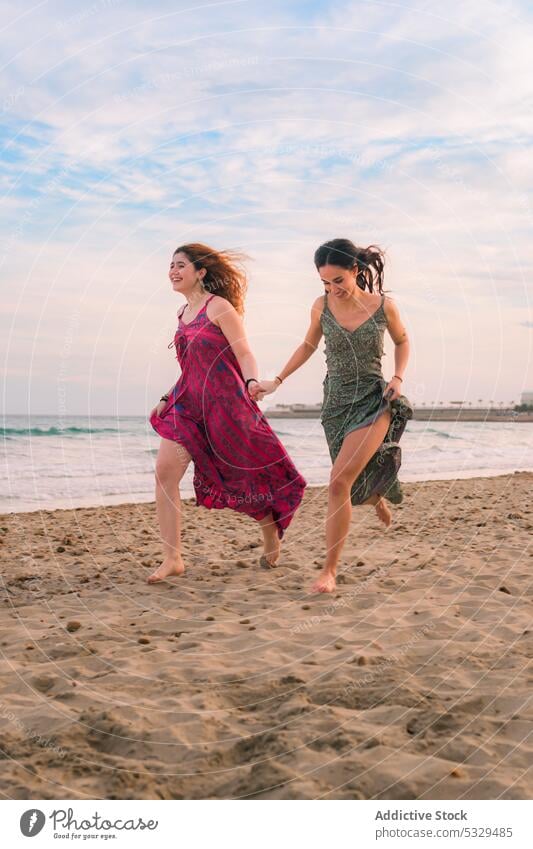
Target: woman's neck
195, 298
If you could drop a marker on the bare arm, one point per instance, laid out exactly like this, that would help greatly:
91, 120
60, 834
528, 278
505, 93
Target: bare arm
225, 316
398, 334
310, 343
302, 352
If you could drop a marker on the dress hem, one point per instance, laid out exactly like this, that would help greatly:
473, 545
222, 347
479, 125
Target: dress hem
211, 496
370, 421
217, 499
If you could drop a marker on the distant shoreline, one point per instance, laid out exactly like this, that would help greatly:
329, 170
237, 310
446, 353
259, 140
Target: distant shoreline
421, 415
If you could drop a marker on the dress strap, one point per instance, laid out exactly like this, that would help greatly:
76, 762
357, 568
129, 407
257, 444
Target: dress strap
204, 308
382, 305
184, 307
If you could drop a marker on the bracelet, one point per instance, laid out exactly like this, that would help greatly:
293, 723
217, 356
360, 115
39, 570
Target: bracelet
277, 377
251, 380
397, 376
164, 398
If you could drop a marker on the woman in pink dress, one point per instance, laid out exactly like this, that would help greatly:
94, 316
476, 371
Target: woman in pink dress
210, 418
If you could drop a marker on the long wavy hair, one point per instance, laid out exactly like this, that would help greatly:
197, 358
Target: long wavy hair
370, 261
225, 272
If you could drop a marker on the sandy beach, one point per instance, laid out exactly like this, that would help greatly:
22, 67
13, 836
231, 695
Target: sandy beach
411, 681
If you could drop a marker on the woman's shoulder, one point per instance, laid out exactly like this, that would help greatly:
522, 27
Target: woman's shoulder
319, 304
370, 303
217, 305
217, 299
373, 300
389, 307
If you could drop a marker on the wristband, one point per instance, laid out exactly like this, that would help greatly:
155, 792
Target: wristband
277, 377
164, 398
251, 380
397, 376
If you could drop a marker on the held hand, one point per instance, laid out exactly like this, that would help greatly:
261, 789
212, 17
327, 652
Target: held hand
254, 391
267, 387
393, 389
159, 409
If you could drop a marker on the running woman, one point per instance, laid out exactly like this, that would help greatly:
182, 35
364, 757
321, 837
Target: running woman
363, 415
209, 416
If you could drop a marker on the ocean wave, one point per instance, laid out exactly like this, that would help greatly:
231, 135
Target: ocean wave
298, 434
442, 433
54, 431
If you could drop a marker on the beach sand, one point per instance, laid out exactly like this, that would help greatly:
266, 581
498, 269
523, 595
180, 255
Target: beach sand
410, 682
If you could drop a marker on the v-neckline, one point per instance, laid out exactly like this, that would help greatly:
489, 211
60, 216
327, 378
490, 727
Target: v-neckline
200, 311
362, 323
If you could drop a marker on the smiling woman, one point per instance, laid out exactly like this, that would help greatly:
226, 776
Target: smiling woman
209, 416
220, 273
363, 416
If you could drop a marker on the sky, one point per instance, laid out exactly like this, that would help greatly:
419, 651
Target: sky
130, 128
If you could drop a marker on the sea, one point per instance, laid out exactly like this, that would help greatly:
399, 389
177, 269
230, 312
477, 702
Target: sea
53, 463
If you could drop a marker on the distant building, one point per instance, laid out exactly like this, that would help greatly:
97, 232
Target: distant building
296, 408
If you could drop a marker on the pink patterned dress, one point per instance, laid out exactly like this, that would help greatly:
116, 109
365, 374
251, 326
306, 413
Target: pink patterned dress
239, 461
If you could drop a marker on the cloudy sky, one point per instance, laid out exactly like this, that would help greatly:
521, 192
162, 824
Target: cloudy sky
128, 128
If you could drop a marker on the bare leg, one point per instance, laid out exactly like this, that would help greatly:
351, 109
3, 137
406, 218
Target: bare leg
271, 540
357, 449
382, 508
171, 465
383, 512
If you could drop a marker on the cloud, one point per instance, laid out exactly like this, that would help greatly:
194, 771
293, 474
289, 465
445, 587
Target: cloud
129, 130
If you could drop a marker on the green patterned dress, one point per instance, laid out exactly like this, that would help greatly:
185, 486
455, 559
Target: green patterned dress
353, 398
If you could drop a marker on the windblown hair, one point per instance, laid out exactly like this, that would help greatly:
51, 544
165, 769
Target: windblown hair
370, 261
225, 272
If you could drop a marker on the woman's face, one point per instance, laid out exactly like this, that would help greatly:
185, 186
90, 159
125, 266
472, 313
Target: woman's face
339, 282
182, 273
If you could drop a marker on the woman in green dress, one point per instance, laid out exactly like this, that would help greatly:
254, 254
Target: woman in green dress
363, 415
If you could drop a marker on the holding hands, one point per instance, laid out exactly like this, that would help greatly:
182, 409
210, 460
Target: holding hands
258, 389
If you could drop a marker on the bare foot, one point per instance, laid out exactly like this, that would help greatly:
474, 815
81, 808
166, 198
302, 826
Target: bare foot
325, 583
271, 545
167, 568
383, 513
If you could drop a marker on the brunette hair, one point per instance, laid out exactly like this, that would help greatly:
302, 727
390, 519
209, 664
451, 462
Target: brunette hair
225, 272
370, 261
